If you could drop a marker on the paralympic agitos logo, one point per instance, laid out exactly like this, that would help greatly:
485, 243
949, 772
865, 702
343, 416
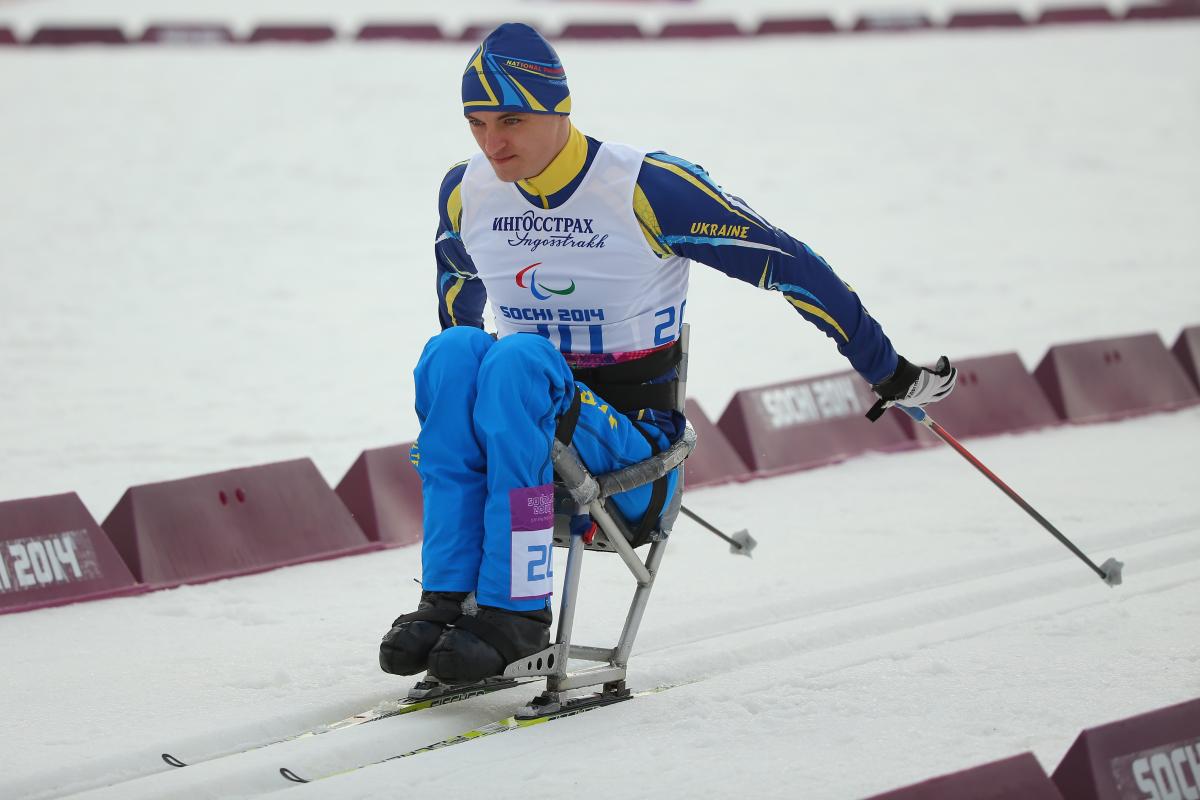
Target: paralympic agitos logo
531, 283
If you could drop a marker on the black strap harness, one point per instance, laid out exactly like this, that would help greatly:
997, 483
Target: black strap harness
565, 430
625, 386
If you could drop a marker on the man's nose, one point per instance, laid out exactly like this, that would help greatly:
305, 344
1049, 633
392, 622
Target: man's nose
494, 142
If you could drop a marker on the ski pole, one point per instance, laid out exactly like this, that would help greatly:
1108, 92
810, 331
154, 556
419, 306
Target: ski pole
741, 543
1109, 572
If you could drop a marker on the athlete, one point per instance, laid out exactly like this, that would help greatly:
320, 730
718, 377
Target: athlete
583, 248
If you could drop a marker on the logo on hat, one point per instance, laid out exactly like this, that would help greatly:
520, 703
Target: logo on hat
533, 286
515, 69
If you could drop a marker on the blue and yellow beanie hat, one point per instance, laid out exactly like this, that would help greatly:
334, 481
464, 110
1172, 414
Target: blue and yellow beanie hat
515, 69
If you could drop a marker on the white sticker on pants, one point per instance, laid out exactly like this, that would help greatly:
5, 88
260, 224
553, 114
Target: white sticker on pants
532, 573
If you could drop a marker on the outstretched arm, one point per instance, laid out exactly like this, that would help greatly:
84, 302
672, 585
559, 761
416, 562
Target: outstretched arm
684, 212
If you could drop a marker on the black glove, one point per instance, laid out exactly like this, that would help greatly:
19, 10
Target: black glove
911, 385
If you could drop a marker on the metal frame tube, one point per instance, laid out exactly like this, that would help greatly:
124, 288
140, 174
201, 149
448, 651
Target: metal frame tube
641, 597
566, 609
603, 655
685, 340
593, 676
619, 543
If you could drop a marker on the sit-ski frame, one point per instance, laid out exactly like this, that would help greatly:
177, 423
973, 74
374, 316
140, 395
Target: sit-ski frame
613, 534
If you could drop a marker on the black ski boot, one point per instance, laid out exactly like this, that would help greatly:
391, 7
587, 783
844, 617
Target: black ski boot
482, 645
405, 648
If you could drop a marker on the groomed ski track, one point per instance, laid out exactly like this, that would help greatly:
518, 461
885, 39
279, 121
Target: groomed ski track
949, 637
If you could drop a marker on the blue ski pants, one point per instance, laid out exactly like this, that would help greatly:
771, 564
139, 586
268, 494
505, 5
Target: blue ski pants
488, 411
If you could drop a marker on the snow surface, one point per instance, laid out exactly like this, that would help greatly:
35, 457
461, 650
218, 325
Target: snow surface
218, 257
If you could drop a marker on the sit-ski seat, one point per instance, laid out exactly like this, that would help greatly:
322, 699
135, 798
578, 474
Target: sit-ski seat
582, 491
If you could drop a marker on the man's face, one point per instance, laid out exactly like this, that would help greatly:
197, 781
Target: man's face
518, 146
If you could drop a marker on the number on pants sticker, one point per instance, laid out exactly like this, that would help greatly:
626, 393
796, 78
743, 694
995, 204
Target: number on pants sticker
532, 509
539, 569
532, 570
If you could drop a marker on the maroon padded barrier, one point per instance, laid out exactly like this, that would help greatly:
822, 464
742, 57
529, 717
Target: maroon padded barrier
381, 31
1112, 378
1154, 755
714, 460
986, 19
383, 492
68, 35
807, 423
187, 33
722, 29
476, 31
795, 25
1054, 16
994, 394
1187, 351
1169, 10
53, 552
1017, 778
7, 37
601, 30
892, 22
300, 34
232, 523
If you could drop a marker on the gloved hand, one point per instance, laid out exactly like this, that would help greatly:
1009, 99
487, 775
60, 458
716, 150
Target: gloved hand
914, 386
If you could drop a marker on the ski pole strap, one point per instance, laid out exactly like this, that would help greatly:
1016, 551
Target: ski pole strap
877, 410
565, 429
